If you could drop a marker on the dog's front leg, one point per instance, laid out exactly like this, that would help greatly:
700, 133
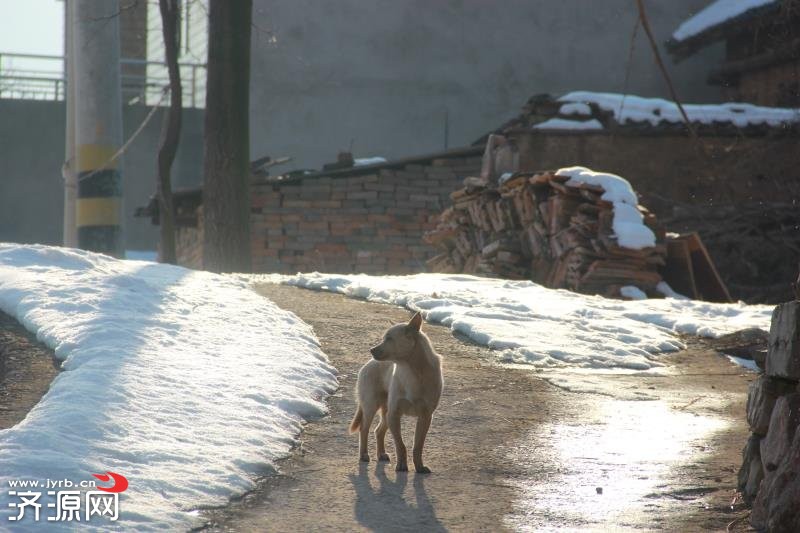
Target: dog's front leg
399, 446
423, 424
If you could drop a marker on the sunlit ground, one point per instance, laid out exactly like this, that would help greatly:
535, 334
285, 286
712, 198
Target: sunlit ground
605, 470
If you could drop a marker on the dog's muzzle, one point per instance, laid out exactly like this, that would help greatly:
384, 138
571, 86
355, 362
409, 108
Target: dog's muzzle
377, 353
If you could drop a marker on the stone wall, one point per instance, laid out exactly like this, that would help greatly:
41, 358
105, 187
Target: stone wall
770, 474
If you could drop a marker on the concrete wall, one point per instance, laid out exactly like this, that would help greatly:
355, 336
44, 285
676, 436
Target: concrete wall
383, 73
32, 153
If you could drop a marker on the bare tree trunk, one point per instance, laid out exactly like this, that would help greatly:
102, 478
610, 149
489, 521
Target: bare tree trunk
171, 128
226, 191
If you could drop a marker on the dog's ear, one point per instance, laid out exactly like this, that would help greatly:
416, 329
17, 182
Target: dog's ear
415, 323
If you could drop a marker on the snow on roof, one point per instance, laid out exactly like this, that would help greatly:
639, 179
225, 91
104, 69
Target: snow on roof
527, 323
628, 224
566, 124
630, 108
187, 383
714, 14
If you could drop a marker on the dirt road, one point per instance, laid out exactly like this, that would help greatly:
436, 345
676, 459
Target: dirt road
510, 448
26, 370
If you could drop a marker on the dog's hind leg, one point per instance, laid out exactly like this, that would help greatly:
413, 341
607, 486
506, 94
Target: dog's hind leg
423, 424
366, 422
380, 436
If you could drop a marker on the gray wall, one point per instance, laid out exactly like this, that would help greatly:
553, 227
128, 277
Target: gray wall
31, 155
383, 72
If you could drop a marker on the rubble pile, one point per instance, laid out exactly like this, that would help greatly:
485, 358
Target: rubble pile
550, 228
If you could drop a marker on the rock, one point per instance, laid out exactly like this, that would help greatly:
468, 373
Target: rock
782, 426
751, 473
783, 359
745, 343
775, 507
761, 398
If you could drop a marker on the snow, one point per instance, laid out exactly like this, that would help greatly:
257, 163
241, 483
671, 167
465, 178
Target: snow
527, 323
633, 293
368, 161
141, 255
664, 288
741, 361
575, 108
628, 224
187, 383
630, 108
565, 124
714, 14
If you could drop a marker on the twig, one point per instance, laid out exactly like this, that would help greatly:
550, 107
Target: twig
628, 63
733, 522
690, 403
654, 46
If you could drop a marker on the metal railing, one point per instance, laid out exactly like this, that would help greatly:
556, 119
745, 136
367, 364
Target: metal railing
41, 77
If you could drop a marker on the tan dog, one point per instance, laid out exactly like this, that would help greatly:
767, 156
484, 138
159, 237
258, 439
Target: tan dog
404, 378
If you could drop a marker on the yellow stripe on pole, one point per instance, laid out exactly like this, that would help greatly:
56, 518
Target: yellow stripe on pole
96, 157
98, 211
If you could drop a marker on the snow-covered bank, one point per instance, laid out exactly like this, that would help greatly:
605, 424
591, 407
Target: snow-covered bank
187, 383
528, 323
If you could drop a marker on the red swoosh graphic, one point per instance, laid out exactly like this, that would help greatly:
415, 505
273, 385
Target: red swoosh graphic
120, 482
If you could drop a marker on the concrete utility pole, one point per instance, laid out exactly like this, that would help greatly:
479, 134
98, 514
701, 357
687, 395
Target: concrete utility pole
98, 124
68, 170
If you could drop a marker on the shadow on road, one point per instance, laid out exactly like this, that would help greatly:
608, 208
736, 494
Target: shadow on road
387, 506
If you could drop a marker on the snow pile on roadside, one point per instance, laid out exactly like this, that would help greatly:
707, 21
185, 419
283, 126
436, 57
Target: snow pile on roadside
714, 14
528, 323
630, 108
186, 383
628, 224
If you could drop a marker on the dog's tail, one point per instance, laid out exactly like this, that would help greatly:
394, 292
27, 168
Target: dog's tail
357, 420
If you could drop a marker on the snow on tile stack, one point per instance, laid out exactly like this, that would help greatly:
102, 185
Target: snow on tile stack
585, 110
575, 229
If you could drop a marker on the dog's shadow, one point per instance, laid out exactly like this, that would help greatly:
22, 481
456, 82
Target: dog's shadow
386, 508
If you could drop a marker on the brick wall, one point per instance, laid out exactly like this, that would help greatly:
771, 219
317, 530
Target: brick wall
349, 221
371, 223
189, 243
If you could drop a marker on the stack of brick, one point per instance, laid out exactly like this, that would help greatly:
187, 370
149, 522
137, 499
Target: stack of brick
770, 474
353, 221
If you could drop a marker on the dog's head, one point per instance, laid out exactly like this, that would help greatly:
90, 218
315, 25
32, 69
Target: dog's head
399, 341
